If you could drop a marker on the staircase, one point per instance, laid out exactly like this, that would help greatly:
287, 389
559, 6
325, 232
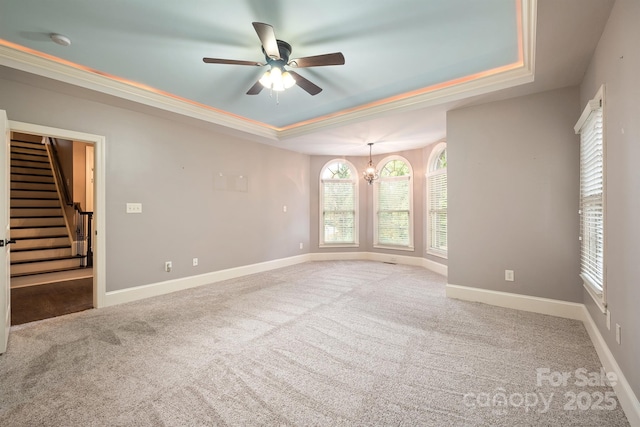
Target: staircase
37, 221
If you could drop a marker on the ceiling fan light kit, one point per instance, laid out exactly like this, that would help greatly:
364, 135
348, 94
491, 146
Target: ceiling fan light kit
276, 53
275, 79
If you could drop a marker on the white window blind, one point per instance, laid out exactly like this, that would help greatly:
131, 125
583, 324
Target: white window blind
592, 201
338, 204
437, 201
394, 211
437, 209
339, 214
393, 205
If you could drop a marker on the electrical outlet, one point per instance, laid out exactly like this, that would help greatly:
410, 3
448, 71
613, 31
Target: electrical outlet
195, 262
301, 245
284, 208
509, 275
167, 266
618, 333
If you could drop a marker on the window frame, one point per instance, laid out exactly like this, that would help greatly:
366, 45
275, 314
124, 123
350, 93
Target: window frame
598, 295
356, 182
432, 171
380, 166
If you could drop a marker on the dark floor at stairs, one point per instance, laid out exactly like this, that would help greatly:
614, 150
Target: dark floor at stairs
33, 303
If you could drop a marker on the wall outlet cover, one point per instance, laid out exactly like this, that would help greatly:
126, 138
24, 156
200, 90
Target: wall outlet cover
509, 275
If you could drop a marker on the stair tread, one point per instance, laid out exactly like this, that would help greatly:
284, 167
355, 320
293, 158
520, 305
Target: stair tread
35, 217
26, 227
40, 237
14, 251
47, 271
32, 143
34, 190
59, 258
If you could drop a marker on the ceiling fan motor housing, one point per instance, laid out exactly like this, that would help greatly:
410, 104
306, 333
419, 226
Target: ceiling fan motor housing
285, 52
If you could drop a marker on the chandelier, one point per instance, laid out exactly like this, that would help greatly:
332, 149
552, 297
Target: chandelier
370, 174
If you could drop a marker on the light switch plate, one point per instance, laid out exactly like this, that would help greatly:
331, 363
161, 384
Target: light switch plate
134, 208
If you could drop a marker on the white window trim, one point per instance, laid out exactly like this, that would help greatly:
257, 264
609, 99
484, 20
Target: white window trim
598, 296
379, 167
433, 157
354, 178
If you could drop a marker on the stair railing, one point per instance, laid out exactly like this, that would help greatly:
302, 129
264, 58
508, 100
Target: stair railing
83, 232
83, 220
67, 196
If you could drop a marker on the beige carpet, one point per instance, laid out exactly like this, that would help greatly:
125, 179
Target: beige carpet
326, 343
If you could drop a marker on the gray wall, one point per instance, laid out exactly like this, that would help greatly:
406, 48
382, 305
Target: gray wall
513, 171
169, 167
616, 63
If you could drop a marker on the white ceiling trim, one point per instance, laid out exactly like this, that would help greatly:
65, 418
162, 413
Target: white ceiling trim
61, 71
15, 56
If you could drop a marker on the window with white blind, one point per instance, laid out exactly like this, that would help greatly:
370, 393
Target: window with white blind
393, 205
437, 201
592, 196
338, 204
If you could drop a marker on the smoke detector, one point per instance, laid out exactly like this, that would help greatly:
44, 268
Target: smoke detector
60, 39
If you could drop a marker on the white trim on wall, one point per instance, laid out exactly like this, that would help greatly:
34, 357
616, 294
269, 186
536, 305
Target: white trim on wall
162, 288
627, 398
551, 307
381, 257
569, 310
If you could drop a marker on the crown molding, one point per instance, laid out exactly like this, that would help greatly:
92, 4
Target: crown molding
90, 79
519, 72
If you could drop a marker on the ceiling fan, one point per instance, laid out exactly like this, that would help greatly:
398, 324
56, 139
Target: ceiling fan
276, 53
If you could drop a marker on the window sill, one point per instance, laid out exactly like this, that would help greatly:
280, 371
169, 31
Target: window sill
395, 248
439, 254
595, 293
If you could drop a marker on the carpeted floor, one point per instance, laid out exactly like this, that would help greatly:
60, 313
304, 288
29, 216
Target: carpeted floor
31, 303
321, 343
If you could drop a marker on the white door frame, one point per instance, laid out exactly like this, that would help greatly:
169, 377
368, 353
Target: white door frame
88, 176
5, 281
98, 141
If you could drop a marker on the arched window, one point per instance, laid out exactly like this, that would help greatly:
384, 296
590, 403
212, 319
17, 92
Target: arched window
393, 205
437, 201
338, 204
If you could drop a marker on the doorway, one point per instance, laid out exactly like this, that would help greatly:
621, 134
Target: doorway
52, 258
96, 143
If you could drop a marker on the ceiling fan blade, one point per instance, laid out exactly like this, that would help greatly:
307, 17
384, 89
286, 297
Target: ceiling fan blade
255, 89
305, 84
268, 39
231, 62
318, 60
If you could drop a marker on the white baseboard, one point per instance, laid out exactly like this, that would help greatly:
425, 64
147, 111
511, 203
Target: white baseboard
569, 310
338, 256
161, 288
374, 256
627, 398
436, 267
